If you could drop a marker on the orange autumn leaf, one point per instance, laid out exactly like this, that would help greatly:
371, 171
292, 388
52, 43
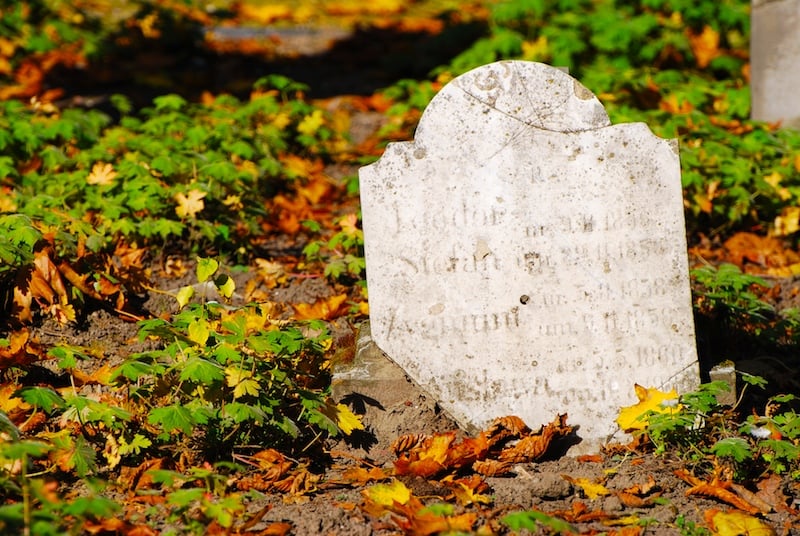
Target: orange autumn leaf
297, 167
469, 490
492, 467
9, 403
532, 447
316, 190
322, 309
715, 490
671, 105
360, 475
704, 45
427, 460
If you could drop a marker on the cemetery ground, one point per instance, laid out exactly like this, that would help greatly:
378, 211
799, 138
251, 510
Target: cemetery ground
182, 270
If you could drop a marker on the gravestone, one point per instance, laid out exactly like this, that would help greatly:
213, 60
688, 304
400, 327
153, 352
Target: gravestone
774, 60
526, 257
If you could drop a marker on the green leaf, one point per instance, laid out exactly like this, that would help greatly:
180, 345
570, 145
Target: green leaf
83, 457
184, 497
530, 519
732, 447
94, 507
201, 370
169, 103
42, 397
239, 412
137, 444
756, 381
175, 417
206, 268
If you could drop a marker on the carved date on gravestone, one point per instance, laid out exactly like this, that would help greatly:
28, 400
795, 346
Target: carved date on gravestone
525, 256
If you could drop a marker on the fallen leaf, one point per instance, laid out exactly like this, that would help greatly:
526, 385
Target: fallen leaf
189, 205
770, 490
345, 419
469, 490
591, 489
407, 442
737, 524
633, 417
532, 447
704, 45
788, 222
322, 309
360, 475
387, 494
492, 467
718, 491
102, 174
504, 428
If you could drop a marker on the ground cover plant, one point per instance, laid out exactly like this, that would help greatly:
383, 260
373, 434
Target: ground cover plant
213, 233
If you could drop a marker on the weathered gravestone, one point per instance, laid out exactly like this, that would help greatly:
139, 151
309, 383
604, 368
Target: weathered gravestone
526, 257
774, 61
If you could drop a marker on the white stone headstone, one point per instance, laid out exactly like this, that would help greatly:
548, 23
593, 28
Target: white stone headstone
526, 257
774, 61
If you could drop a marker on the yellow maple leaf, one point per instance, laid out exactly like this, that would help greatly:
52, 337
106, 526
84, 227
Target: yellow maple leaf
189, 205
348, 224
311, 123
632, 417
466, 495
788, 222
388, 494
735, 523
281, 120
347, 420
235, 375
591, 489
102, 173
9, 402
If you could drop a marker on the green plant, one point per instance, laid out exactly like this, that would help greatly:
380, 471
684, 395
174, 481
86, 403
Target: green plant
690, 528
343, 253
32, 503
227, 376
708, 435
533, 521
728, 292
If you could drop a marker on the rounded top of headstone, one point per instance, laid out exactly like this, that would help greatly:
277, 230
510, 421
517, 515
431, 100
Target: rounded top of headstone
533, 93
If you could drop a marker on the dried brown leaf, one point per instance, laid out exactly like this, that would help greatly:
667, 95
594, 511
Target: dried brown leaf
532, 447
504, 428
407, 442
718, 492
492, 467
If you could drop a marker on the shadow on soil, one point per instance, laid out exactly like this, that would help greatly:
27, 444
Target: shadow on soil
331, 61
